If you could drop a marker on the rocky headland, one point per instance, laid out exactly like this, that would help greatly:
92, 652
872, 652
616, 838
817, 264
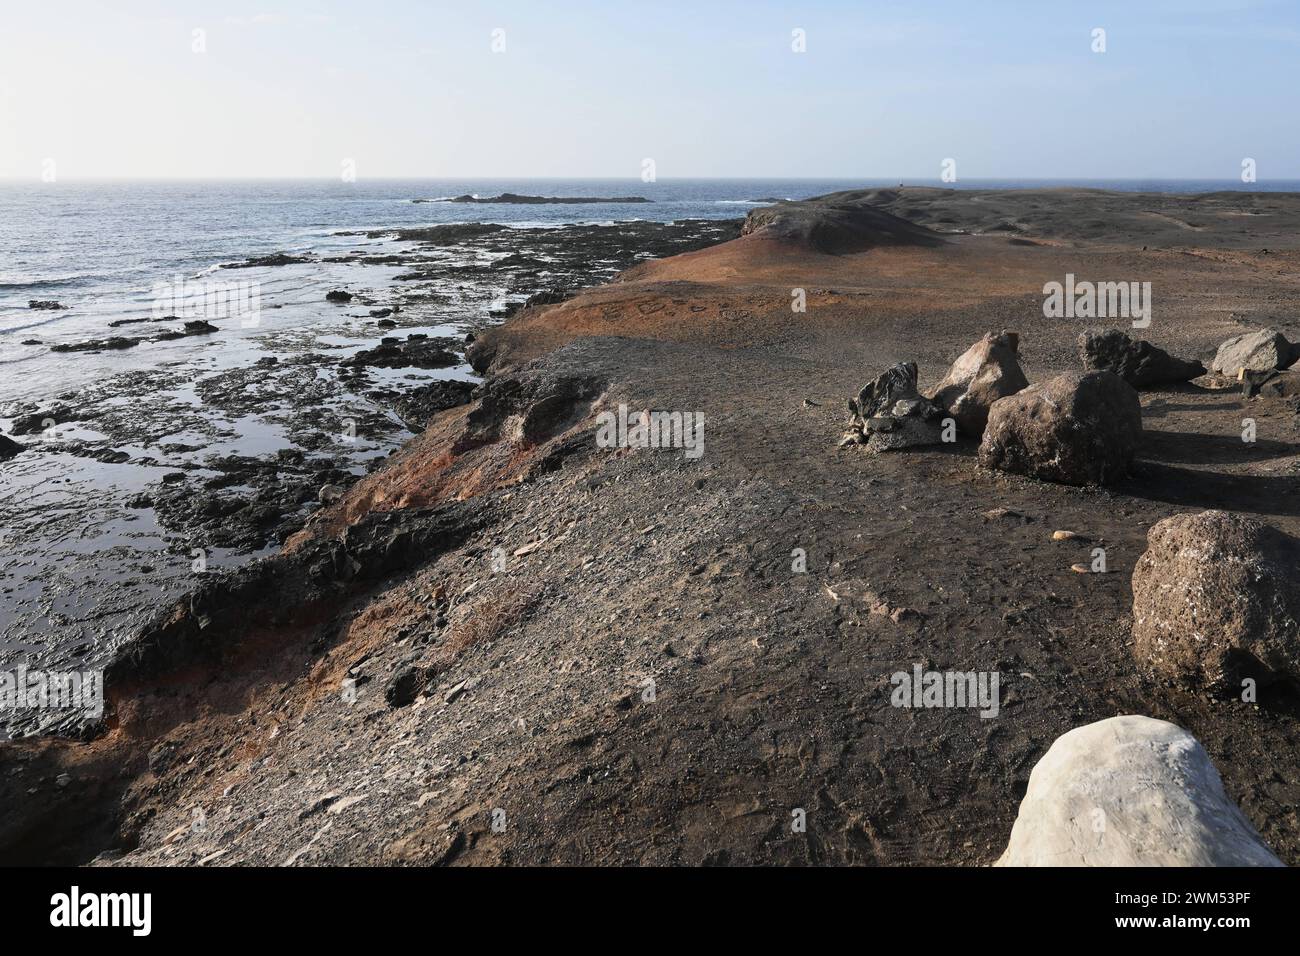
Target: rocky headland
516, 643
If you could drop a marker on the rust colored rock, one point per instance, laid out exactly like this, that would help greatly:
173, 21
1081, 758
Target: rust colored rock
1076, 429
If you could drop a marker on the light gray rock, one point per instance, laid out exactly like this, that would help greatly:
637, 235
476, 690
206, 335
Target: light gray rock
1259, 351
988, 370
1130, 791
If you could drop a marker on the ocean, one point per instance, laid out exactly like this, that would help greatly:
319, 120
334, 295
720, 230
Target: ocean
99, 248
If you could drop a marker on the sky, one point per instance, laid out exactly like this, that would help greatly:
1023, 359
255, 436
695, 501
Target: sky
413, 88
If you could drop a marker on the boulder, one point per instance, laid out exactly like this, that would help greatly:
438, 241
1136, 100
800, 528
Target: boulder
1216, 597
1130, 791
9, 447
1260, 351
889, 413
987, 371
1076, 429
1271, 384
338, 296
1137, 362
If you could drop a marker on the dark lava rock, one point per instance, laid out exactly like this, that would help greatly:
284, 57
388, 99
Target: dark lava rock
338, 296
393, 353
405, 687
9, 447
548, 297
47, 305
1137, 362
1076, 429
517, 200
31, 342
889, 413
380, 313
417, 406
37, 422
199, 327
1216, 597
98, 345
275, 259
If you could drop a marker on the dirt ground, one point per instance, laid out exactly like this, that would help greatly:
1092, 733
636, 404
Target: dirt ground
514, 646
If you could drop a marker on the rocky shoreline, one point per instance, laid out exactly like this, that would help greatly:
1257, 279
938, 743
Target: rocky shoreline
511, 643
223, 459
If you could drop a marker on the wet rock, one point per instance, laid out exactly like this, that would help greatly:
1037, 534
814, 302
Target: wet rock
338, 296
386, 324
548, 297
889, 413
987, 371
1216, 597
99, 345
1130, 791
1260, 351
9, 447
275, 259
1076, 429
381, 314
199, 327
394, 353
1137, 362
45, 305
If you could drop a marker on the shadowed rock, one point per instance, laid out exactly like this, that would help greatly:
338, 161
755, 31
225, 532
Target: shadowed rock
987, 371
1137, 362
1076, 429
1260, 351
9, 447
1216, 597
1130, 791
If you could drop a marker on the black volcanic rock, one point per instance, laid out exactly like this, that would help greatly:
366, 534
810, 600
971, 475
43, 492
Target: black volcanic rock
44, 305
338, 296
9, 447
1137, 362
517, 200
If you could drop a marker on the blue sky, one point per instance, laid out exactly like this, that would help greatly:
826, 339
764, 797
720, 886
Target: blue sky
1184, 90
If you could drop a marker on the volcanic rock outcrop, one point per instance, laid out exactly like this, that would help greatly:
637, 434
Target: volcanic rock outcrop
1076, 429
1130, 791
987, 371
890, 413
1137, 362
1216, 597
